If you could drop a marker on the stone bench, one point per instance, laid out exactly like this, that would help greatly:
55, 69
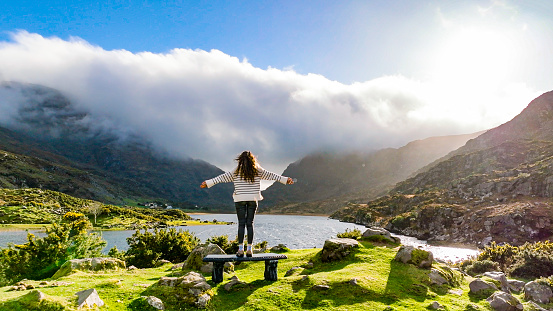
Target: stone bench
271, 262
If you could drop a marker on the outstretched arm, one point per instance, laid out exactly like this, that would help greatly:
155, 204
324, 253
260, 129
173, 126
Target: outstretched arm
225, 177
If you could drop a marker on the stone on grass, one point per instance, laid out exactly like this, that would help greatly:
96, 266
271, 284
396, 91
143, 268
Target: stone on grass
479, 286
354, 281
415, 256
155, 302
380, 233
436, 277
191, 288
435, 306
234, 281
502, 301
499, 276
36, 295
89, 264
279, 248
537, 292
194, 261
161, 262
88, 298
337, 249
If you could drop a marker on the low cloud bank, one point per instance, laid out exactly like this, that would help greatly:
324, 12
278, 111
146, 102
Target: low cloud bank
210, 105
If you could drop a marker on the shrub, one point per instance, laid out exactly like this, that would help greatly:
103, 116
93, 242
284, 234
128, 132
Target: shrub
145, 249
115, 253
479, 267
532, 264
41, 257
504, 255
353, 234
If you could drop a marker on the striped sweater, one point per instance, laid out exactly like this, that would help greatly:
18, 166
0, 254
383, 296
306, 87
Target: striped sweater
244, 190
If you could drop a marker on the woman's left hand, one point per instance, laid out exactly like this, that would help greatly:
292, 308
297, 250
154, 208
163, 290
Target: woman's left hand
203, 185
290, 181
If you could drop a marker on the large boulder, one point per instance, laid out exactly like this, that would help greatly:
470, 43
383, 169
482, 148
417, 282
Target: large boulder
89, 264
191, 288
479, 287
337, 249
501, 278
537, 292
380, 234
418, 257
194, 260
502, 301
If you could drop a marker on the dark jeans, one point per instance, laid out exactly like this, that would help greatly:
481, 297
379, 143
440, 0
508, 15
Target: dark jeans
245, 211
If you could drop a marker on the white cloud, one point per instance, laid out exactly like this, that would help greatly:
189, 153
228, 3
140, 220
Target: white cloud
210, 105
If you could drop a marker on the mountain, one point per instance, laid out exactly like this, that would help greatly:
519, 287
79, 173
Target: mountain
498, 186
326, 181
49, 143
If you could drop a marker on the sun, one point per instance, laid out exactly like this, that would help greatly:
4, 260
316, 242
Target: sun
475, 56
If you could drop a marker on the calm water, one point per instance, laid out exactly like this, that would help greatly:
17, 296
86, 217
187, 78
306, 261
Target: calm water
296, 232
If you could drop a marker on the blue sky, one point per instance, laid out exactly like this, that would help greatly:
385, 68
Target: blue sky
405, 70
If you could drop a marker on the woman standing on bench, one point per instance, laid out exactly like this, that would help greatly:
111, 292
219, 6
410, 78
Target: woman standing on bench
247, 178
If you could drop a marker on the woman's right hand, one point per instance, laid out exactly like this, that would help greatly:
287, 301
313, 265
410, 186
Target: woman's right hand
290, 181
203, 185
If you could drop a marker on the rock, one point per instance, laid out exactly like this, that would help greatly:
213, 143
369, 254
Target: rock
90, 264
532, 306
353, 281
537, 292
502, 301
381, 232
435, 306
194, 261
418, 257
155, 302
234, 281
191, 288
177, 266
202, 301
337, 249
309, 265
479, 286
436, 277
458, 292
36, 295
291, 271
279, 248
88, 298
499, 276
516, 285
132, 268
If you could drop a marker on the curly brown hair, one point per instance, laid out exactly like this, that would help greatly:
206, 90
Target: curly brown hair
247, 166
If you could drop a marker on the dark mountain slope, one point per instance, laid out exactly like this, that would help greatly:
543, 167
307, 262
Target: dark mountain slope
47, 127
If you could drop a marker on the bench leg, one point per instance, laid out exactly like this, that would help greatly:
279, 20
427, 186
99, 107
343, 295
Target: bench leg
217, 272
271, 270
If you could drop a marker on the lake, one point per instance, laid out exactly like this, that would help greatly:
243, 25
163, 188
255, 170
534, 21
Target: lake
296, 232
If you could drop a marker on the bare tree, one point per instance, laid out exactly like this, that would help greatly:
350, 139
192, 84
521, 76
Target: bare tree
95, 208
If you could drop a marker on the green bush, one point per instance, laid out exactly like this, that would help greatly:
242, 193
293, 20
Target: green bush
479, 267
532, 264
350, 234
223, 242
40, 258
115, 253
504, 255
145, 249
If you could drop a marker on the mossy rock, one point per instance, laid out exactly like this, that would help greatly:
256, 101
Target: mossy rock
34, 300
418, 257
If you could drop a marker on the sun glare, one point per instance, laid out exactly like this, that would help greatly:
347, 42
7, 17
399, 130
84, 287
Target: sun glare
475, 57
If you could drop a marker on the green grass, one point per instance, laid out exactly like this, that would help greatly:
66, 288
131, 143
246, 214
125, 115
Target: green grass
382, 282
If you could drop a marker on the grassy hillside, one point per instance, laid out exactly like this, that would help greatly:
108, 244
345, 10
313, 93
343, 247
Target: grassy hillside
382, 284
37, 206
